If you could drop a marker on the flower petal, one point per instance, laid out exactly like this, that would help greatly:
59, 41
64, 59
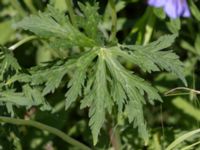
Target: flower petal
186, 11
157, 3
179, 7
173, 8
170, 9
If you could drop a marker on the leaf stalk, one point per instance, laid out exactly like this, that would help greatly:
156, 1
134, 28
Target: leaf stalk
50, 129
71, 12
16, 45
114, 20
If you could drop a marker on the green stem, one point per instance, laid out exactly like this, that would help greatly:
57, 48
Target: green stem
190, 146
41, 126
149, 28
29, 4
140, 23
115, 138
182, 138
114, 20
16, 4
16, 45
71, 12
182, 88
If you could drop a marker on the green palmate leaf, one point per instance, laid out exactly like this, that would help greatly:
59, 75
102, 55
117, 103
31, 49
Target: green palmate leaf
128, 91
98, 78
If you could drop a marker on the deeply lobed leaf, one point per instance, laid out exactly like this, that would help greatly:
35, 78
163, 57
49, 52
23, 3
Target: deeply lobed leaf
99, 79
151, 57
52, 24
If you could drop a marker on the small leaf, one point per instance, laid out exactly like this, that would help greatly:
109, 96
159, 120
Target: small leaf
194, 9
77, 82
90, 21
36, 97
15, 98
100, 101
182, 138
135, 114
52, 24
174, 25
8, 61
151, 58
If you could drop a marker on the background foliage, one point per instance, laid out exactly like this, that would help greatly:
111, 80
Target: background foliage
66, 69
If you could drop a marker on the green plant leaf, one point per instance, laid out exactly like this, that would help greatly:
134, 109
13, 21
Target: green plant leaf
28, 97
194, 9
90, 21
77, 82
151, 57
131, 91
182, 138
52, 24
100, 100
134, 112
8, 61
97, 76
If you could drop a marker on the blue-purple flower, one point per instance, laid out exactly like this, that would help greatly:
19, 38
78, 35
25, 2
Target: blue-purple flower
173, 8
